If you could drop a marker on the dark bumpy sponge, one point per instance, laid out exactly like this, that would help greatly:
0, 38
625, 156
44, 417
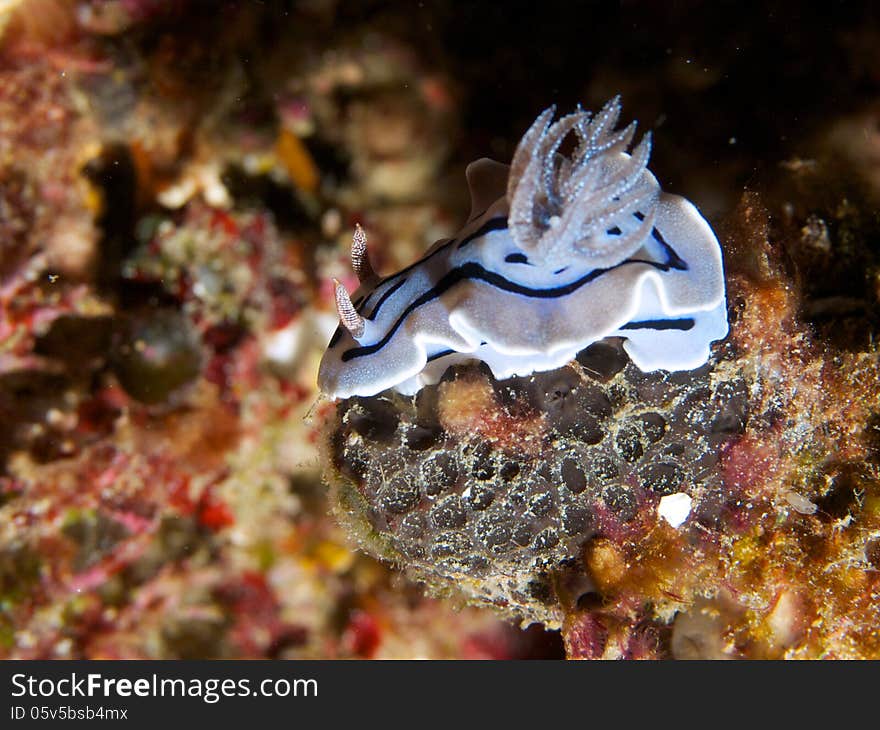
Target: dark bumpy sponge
502, 506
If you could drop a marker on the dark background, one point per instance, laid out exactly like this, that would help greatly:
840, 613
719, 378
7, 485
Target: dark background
729, 88
767, 75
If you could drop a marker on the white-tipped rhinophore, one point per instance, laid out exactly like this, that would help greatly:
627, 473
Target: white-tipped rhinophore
348, 315
360, 260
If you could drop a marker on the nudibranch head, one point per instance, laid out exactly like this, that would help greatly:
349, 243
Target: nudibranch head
559, 252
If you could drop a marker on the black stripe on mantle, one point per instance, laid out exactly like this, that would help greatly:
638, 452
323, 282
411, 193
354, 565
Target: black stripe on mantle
472, 271
673, 261
683, 323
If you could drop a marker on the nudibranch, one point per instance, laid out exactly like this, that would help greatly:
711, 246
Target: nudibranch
559, 251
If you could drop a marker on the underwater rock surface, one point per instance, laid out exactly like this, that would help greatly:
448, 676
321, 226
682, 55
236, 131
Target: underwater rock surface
499, 485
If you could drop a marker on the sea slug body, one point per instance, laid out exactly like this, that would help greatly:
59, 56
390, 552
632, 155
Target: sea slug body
559, 252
